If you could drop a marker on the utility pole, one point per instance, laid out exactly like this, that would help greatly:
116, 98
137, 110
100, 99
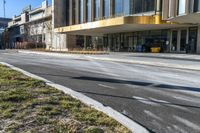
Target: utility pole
4, 8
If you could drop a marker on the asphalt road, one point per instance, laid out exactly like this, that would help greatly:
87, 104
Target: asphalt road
164, 100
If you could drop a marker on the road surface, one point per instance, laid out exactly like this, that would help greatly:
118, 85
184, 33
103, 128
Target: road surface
162, 99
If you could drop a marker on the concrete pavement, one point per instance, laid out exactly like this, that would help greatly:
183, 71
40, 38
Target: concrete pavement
164, 100
178, 61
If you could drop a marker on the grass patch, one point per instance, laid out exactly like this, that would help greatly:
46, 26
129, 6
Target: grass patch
29, 105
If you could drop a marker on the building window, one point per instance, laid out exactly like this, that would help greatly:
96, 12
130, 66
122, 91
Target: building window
126, 7
196, 5
68, 11
81, 11
73, 12
181, 7
148, 5
89, 10
141, 6
118, 7
97, 9
106, 8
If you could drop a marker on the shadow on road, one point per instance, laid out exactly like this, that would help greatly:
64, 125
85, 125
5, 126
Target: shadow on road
138, 83
109, 80
117, 81
147, 100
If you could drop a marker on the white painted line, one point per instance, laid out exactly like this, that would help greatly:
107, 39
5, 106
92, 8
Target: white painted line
145, 101
106, 86
131, 125
152, 115
159, 101
169, 104
179, 129
187, 123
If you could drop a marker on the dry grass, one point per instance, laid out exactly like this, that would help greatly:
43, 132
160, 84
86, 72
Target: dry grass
29, 105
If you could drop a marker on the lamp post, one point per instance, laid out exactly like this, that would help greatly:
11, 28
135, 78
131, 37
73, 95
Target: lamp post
4, 8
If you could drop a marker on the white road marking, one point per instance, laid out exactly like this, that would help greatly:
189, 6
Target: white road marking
159, 101
179, 129
152, 115
194, 100
181, 108
188, 123
106, 86
145, 101
169, 104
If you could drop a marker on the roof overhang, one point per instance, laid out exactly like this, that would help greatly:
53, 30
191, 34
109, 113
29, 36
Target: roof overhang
119, 24
193, 18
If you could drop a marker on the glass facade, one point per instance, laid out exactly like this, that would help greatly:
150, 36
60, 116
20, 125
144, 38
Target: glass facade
196, 5
81, 4
129, 7
181, 7
141, 6
118, 7
106, 8
183, 40
89, 10
96, 9
174, 40
141, 41
68, 15
73, 12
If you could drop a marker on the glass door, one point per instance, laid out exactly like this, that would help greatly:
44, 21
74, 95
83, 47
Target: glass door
174, 42
192, 40
183, 40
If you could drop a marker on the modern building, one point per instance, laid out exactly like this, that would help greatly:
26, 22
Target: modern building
127, 25
187, 12
32, 25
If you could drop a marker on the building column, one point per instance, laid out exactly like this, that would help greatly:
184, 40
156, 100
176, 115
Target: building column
84, 11
187, 7
111, 8
101, 9
93, 10
70, 12
77, 12
85, 43
179, 41
158, 7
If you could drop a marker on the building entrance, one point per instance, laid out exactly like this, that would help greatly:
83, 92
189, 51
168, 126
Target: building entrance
138, 41
193, 40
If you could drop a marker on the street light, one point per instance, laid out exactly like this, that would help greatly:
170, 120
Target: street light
4, 8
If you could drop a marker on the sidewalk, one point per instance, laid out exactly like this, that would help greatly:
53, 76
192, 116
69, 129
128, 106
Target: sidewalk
177, 61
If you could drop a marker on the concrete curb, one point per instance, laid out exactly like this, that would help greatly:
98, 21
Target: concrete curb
166, 65
131, 125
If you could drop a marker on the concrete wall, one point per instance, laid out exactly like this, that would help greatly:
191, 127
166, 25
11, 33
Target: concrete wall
59, 41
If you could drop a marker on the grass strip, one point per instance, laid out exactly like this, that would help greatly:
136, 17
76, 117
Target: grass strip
29, 105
